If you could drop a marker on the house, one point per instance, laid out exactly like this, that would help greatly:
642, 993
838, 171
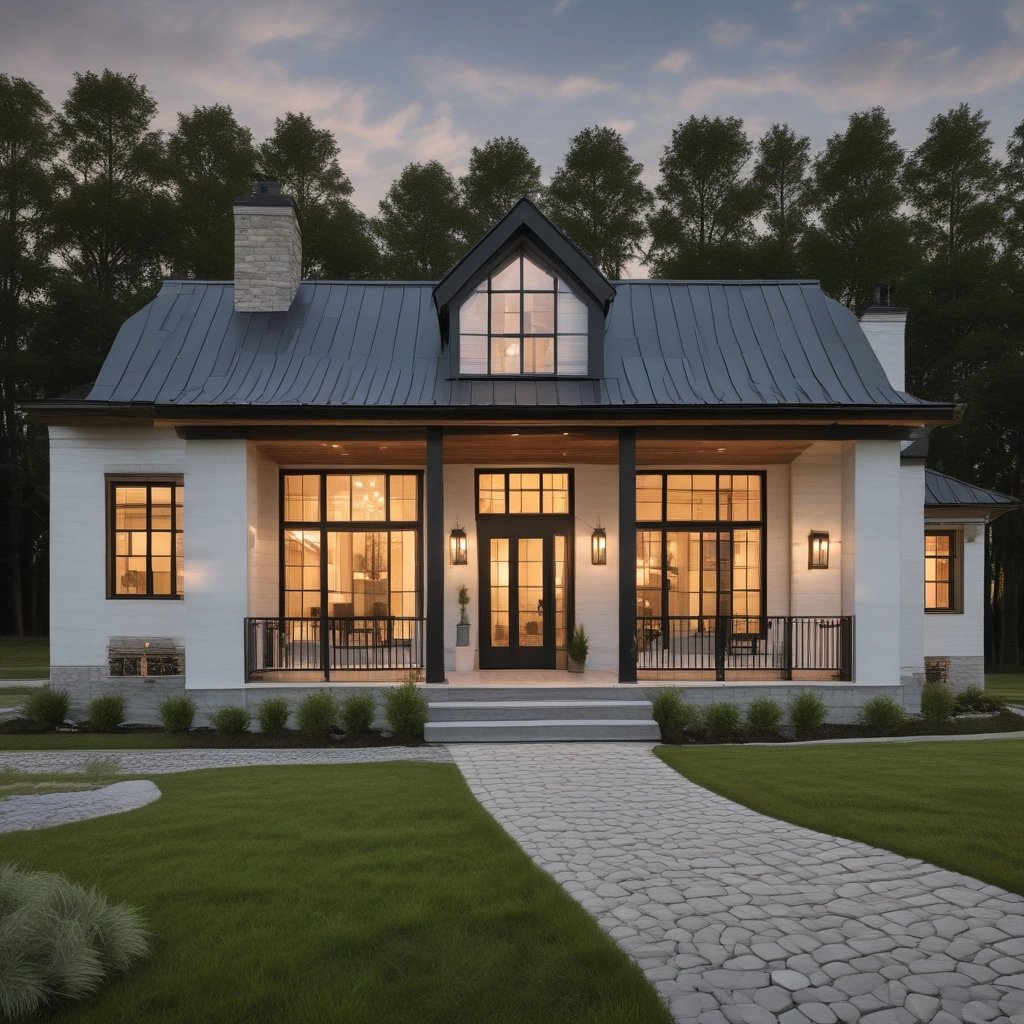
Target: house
276, 484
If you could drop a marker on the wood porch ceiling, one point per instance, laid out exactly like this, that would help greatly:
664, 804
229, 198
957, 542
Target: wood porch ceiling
527, 449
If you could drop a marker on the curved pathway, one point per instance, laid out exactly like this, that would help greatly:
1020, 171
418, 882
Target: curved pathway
742, 919
20, 813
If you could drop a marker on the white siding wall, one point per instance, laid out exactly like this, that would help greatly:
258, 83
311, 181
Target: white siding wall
911, 570
459, 485
82, 618
597, 586
960, 635
264, 535
778, 548
816, 489
871, 557
217, 492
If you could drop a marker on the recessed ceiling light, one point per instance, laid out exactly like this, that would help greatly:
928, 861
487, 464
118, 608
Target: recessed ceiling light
515, 435
335, 445
719, 449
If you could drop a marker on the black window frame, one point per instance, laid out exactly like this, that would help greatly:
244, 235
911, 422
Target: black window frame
955, 558
570, 487
177, 484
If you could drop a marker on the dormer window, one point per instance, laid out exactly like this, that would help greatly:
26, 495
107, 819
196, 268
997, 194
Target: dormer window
523, 320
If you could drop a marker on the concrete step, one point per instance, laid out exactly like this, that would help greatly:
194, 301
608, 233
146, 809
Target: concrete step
445, 694
541, 730
528, 710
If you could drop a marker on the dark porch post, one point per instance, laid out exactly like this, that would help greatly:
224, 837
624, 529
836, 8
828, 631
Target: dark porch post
627, 555
435, 556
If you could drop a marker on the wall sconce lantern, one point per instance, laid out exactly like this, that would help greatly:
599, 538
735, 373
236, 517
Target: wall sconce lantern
458, 547
817, 550
599, 545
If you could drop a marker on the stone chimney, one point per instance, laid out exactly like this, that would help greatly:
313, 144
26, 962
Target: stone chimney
268, 250
885, 327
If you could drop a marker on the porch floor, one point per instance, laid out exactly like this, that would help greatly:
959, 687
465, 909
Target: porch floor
603, 677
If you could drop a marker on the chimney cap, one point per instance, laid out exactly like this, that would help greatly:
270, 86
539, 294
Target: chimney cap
265, 193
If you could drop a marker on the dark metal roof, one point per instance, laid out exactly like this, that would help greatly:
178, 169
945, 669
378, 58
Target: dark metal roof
702, 345
946, 491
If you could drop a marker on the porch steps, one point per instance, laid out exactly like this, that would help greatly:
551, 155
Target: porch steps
533, 720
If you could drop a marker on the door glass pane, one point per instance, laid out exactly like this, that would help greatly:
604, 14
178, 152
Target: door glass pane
339, 498
559, 567
302, 498
499, 591
531, 591
648, 573
302, 573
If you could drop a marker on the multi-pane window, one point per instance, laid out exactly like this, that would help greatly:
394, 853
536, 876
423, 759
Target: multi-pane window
147, 522
350, 544
941, 580
524, 492
523, 320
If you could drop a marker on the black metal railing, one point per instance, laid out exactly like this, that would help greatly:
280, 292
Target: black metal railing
738, 644
368, 643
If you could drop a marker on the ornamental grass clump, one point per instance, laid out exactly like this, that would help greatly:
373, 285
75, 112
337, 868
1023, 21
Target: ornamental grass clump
722, 722
177, 713
231, 719
47, 708
272, 713
59, 940
356, 713
106, 713
406, 710
882, 715
937, 703
974, 700
806, 714
315, 714
764, 717
677, 720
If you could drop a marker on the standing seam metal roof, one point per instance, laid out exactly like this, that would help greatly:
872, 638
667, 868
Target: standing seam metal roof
941, 490
372, 344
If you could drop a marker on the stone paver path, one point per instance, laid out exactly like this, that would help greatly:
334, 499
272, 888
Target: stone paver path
742, 919
19, 813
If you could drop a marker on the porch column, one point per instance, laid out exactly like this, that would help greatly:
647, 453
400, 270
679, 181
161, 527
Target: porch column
435, 556
627, 555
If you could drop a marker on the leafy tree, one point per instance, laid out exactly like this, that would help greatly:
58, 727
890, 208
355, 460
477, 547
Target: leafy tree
420, 227
211, 160
335, 236
501, 172
1012, 197
707, 206
597, 198
781, 184
27, 148
861, 239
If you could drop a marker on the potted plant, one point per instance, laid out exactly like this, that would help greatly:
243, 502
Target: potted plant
579, 645
462, 628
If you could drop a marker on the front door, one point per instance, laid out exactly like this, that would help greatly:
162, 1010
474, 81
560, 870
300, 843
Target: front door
524, 574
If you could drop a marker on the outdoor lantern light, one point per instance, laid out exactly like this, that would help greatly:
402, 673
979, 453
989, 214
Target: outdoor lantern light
817, 550
458, 546
599, 545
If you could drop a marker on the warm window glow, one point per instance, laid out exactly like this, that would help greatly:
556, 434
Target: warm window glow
526, 493
940, 578
525, 321
147, 546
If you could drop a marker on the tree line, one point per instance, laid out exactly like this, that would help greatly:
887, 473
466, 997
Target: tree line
96, 206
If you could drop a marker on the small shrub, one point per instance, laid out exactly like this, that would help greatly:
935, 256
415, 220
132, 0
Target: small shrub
722, 721
579, 644
764, 716
273, 714
937, 703
882, 714
974, 700
356, 713
177, 713
47, 708
674, 716
231, 719
806, 714
406, 710
106, 713
316, 713
59, 941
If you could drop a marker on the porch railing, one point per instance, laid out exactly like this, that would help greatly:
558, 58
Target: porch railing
739, 644
368, 643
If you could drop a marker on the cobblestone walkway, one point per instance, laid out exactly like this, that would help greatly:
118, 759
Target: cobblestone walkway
737, 918
20, 813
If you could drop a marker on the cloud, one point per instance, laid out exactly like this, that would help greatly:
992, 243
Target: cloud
1014, 15
674, 62
561, 6
496, 85
729, 33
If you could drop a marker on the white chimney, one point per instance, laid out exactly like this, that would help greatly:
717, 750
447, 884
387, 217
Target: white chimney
885, 328
268, 250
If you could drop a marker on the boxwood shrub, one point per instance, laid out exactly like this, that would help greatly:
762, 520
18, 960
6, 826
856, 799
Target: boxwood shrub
882, 714
231, 719
677, 720
937, 703
47, 708
272, 713
356, 713
764, 716
406, 710
722, 722
106, 713
316, 713
806, 714
177, 713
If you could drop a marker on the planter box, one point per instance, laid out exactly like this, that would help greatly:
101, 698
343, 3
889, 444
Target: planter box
462, 634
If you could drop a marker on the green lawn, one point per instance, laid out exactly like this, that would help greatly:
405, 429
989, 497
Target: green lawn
1008, 686
369, 894
956, 804
24, 657
12, 696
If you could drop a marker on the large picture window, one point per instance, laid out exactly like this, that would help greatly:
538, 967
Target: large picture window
146, 549
523, 320
941, 571
700, 548
350, 545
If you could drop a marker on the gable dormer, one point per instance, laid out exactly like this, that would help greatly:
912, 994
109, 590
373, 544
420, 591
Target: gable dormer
524, 303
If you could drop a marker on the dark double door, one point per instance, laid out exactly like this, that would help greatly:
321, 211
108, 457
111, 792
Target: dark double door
525, 592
